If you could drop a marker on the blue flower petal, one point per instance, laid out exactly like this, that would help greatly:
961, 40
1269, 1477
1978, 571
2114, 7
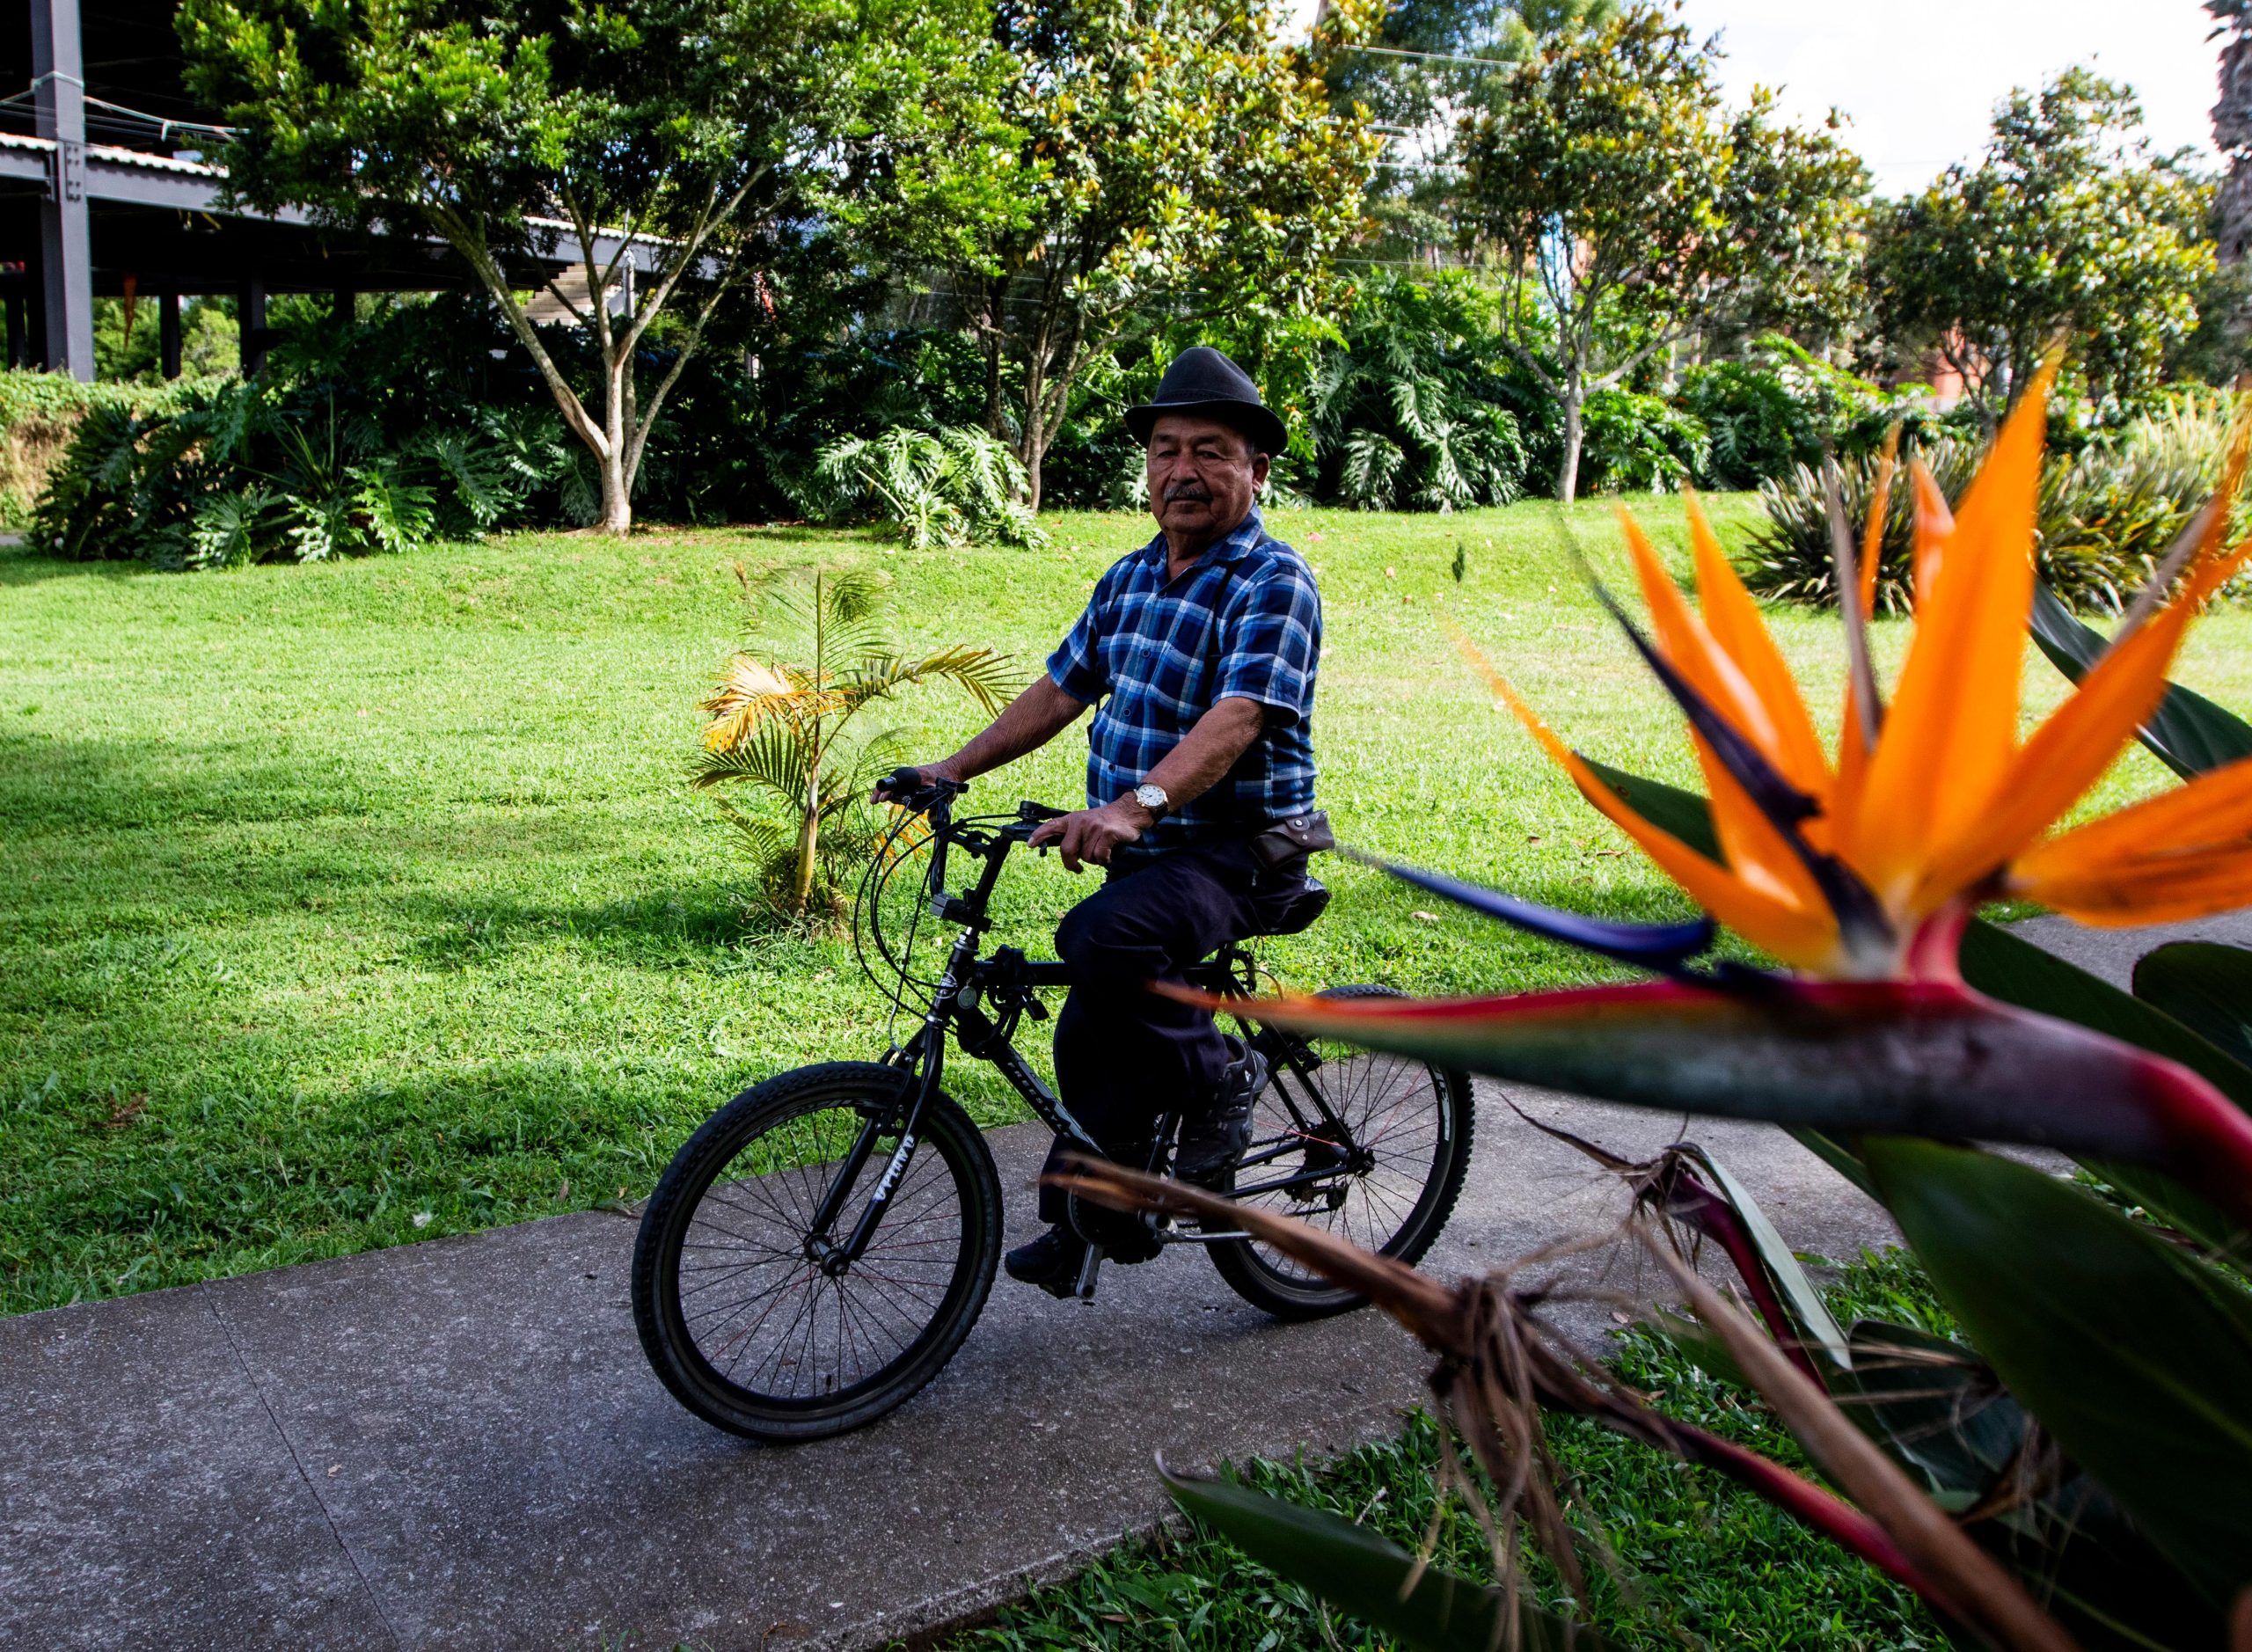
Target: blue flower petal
1660, 947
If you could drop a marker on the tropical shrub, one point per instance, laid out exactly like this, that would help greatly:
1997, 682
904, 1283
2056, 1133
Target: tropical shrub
944, 487
2104, 516
1780, 407
238, 473
39, 414
2074, 1472
782, 725
1407, 412
1640, 444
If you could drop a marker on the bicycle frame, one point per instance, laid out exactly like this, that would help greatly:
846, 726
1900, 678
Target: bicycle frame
1008, 982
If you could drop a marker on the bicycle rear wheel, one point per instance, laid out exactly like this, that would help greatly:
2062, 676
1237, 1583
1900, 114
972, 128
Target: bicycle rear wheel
1392, 1135
737, 1318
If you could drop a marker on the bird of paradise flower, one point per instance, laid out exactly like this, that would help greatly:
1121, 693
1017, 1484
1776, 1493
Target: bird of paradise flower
1861, 871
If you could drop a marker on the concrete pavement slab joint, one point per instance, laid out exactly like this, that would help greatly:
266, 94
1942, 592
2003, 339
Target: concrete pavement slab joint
258, 1389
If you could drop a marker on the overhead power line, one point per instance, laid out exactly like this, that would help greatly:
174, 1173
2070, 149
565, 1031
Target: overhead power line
1431, 57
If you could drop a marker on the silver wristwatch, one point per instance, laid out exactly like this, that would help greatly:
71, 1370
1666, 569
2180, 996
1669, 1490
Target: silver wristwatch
1153, 799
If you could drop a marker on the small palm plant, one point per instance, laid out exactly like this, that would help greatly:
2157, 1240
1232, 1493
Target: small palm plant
785, 729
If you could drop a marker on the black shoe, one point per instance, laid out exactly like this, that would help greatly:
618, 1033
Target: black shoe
1052, 1262
1211, 1146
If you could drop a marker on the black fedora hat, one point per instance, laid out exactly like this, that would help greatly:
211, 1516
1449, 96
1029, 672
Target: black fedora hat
1202, 380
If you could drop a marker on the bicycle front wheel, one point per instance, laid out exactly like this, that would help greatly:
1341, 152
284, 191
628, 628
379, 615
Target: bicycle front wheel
736, 1313
1369, 1146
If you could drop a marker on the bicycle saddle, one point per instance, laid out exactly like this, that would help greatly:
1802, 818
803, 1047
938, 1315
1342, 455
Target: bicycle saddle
1307, 905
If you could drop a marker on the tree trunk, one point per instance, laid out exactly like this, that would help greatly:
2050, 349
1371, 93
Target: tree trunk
616, 485
1567, 472
994, 423
808, 853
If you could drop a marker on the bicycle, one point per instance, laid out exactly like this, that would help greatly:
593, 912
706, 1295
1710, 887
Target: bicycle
821, 1247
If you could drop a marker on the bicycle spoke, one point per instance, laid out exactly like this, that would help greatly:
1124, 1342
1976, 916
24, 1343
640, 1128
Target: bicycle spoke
763, 1315
1387, 1109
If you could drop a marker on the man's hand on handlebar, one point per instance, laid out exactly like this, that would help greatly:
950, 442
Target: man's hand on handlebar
1090, 835
911, 788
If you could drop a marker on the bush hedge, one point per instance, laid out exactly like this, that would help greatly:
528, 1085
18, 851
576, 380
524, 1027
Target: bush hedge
425, 416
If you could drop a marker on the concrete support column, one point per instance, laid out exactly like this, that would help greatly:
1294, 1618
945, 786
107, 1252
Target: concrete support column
168, 333
66, 245
250, 321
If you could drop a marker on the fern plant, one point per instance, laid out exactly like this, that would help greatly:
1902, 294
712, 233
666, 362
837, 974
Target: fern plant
782, 724
238, 474
942, 487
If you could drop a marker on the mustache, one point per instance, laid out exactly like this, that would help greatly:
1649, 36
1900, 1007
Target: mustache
1187, 490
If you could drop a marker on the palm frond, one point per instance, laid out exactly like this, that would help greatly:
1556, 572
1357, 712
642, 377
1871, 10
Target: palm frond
777, 758
753, 693
986, 674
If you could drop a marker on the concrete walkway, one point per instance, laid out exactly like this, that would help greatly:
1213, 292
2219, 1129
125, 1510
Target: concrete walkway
457, 1444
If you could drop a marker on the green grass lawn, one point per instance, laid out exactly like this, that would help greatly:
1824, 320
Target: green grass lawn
345, 905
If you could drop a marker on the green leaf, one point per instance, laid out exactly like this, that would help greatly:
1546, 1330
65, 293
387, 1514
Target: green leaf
2188, 733
2006, 967
2133, 1354
1936, 1404
1815, 1325
1363, 1573
2206, 987
1670, 809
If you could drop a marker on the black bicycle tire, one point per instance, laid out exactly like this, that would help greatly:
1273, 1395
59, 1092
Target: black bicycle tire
1250, 1277
657, 1316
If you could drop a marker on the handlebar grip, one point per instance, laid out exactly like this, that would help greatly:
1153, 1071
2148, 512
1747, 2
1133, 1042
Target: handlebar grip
906, 787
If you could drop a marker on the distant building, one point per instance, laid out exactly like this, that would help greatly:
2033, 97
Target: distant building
104, 190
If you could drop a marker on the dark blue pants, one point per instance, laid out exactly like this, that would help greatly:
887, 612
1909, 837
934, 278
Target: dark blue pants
1123, 1054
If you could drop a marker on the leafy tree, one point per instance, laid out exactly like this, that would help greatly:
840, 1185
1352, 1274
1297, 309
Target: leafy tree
701, 136
2070, 225
1614, 189
1428, 60
1171, 153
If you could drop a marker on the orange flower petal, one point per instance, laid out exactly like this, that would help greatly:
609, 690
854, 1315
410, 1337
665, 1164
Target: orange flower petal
1733, 620
1873, 532
2213, 811
1934, 522
1952, 726
1807, 939
2078, 741
2157, 889
1752, 846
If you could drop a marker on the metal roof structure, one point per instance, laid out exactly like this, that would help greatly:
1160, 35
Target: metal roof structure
104, 190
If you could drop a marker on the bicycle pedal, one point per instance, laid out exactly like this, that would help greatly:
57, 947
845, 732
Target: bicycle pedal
1088, 1267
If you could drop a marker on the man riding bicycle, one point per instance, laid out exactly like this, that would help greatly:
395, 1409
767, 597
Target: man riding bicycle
1201, 649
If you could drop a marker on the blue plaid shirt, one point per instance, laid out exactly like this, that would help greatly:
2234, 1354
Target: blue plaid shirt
1244, 621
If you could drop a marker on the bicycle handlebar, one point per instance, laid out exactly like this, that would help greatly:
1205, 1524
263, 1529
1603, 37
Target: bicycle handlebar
905, 788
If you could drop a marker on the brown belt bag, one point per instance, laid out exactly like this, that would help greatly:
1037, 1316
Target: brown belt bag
1299, 835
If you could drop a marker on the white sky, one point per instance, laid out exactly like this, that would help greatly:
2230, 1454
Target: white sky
1917, 79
